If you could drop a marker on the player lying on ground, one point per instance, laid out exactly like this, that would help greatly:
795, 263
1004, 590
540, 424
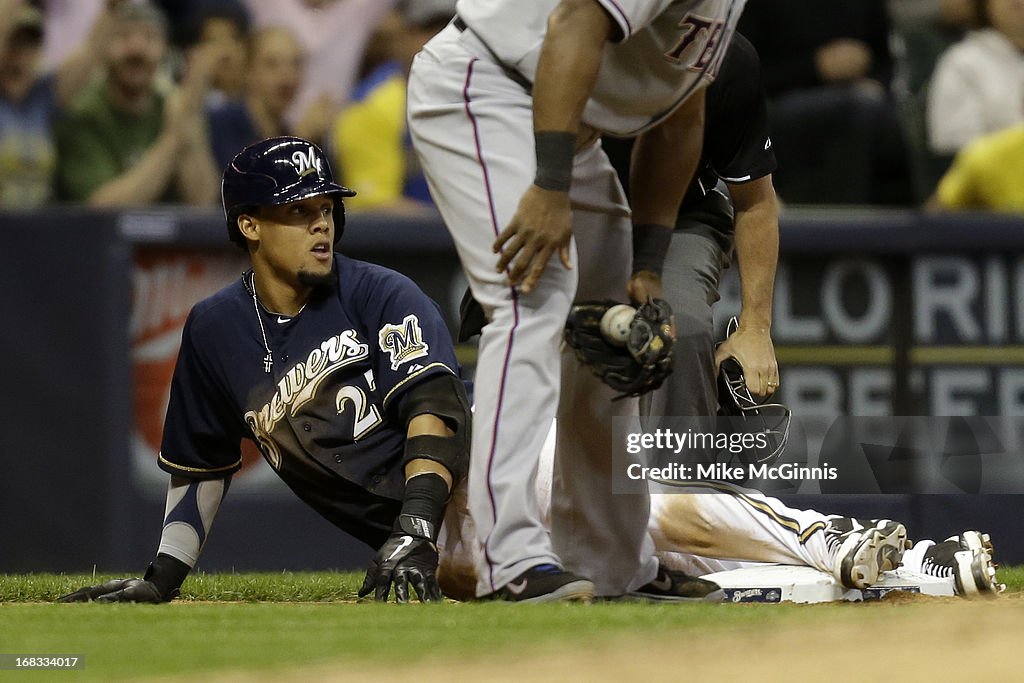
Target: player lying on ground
693, 533
341, 371
710, 532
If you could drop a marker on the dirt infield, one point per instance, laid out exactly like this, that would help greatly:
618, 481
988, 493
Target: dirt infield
905, 638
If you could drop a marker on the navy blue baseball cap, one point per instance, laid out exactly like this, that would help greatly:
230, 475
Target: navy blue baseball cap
278, 171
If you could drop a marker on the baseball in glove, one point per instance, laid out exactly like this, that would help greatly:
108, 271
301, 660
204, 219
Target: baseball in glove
634, 367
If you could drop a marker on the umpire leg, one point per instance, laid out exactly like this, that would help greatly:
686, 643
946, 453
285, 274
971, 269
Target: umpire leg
692, 271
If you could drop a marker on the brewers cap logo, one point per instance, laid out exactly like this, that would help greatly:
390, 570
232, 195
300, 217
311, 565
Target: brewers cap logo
307, 163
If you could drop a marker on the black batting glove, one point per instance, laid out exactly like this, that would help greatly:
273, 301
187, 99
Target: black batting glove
407, 558
118, 590
161, 583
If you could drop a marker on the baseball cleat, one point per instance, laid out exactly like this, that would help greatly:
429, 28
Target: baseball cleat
675, 586
545, 583
864, 548
967, 559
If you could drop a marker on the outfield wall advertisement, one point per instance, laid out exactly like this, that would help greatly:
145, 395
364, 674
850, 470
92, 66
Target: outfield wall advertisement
849, 330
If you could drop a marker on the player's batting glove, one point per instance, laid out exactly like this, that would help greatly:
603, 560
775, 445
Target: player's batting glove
407, 558
117, 590
161, 583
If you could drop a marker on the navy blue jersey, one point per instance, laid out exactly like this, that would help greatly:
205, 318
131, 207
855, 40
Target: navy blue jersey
324, 417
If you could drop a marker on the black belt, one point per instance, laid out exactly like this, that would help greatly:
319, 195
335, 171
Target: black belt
520, 79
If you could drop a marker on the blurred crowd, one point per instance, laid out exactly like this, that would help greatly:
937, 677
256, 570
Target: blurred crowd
133, 102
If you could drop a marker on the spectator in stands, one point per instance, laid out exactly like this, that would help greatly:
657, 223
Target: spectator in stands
988, 174
923, 30
827, 71
30, 97
978, 84
123, 142
273, 75
952, 17
27, 107
225, 27
370, 140
333, 34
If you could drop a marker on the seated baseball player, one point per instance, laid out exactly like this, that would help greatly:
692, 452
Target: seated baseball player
343, 373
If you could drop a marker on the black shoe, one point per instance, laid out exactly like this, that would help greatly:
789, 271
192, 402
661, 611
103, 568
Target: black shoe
545, 583
673, 586
864, 548
967, 559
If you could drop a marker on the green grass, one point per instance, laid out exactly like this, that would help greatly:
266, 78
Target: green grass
257, 587
263, 587
267, 621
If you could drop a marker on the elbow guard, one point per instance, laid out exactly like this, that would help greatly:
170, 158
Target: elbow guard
443, 396
450, 451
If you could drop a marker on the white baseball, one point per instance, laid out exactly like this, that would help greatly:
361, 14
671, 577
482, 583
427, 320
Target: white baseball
615, 323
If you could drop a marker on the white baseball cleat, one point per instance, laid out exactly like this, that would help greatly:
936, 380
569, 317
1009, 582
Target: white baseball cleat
967, 559
864, 548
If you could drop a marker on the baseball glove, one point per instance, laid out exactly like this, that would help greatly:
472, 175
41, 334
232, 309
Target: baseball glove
639, 366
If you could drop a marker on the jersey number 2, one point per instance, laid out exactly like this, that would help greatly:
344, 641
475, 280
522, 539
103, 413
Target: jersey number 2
366, 414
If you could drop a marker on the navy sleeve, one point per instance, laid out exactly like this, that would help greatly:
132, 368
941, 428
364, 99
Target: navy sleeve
409, 336
737, 142
202, 432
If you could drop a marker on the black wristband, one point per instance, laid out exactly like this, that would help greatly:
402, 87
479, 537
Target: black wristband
167, 574
423, 506
555, 152
650, 245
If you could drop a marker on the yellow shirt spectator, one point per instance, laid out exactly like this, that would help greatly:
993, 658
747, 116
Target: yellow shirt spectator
371, 143
988, 174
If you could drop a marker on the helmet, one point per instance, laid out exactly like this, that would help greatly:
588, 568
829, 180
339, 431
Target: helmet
278, 171
745, 413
